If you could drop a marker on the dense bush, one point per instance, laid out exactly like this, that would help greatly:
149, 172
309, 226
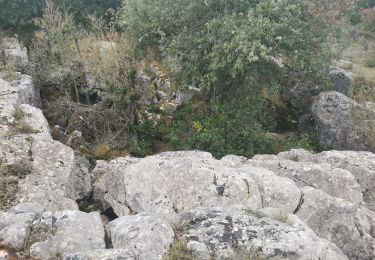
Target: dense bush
368, 18
17, 15
223, 43
234, 51
69, 60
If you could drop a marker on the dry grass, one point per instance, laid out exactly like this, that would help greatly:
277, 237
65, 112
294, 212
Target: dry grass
252, 254
9, 179
8, 72
38, 233
20, 126
104, 152
179, 251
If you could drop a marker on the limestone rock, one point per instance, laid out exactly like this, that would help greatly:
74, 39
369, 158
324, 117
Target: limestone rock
341, 80
360, 164
104, 254
15, 228
54, 178
171, 182
339, 222
342, 123
334, 181
344, 64
147, 237
224, 234
28, 92
300, 95
276, 191
13, 53
75, 232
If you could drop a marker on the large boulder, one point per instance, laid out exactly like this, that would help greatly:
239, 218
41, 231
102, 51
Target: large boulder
334, 181
300, 95
341, 123
12, 53
104, 254
75, 231
172, 182
15, 228
147, 237
38, 168
342, 80
241, 235
339, 222
360, 164
28, 93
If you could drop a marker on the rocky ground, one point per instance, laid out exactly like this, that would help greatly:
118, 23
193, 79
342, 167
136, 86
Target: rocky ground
294, 205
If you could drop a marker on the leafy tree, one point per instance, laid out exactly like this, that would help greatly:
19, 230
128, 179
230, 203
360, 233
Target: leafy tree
221, 42
17, 15
232, 51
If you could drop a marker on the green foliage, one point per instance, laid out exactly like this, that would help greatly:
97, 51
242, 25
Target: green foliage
179, 251
10, 174
222, 43
17, 15
368, 19
230, 128
229, 49
363, 4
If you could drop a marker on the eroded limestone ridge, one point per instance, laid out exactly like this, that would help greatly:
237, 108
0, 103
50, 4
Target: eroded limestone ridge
295, 205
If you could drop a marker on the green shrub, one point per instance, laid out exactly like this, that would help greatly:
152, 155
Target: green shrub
228, 50
250, 254
179, 251
229, 129
10, 174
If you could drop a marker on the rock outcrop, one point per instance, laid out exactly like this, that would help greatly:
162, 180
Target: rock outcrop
146, 236
343, 124
342, 80
337, 195
294, 205
228, 235
330, 192
12, 54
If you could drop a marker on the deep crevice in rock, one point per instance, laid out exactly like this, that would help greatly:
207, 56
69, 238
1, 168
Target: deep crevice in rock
301, 200
110, 214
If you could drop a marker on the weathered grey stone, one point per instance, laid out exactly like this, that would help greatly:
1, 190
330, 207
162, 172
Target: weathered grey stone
334, 181
75, 232
344, 64
341, 80
233, 160
148, 237
223, 233
28, 208
276, 191
169, 183
341, 123
104, 254
55, 180
13, 54
15, 228
360, 164
79, 186
339, 222
300, 95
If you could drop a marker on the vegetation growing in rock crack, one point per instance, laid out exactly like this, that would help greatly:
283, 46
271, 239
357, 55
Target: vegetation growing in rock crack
179, 251
10, 175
